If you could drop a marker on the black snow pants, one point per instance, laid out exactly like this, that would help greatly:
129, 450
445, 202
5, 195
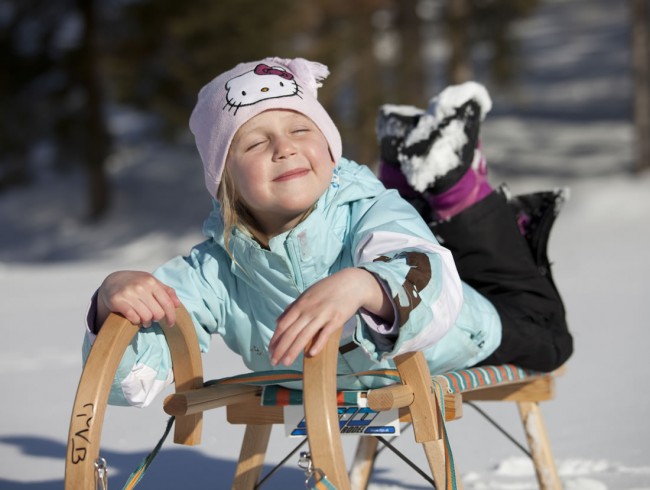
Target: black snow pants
513, 272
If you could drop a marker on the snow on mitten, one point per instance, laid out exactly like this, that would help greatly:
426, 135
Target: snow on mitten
393, 123
440, 148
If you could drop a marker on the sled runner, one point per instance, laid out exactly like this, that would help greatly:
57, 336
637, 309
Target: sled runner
423, 401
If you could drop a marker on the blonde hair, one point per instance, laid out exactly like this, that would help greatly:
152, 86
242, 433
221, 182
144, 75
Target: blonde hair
235, 214
231, 209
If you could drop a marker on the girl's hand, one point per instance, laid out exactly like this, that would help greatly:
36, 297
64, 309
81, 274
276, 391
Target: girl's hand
138, 296
324, 308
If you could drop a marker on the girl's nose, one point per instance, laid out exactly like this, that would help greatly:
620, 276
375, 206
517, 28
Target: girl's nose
284, 148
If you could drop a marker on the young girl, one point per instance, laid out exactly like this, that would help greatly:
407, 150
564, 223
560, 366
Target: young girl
300, 242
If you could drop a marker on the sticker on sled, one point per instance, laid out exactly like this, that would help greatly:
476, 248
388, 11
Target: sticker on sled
352, 420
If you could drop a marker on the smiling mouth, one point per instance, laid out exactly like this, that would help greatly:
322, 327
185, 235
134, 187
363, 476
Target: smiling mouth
292, 174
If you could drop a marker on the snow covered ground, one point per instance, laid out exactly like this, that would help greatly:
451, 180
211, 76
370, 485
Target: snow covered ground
50, 262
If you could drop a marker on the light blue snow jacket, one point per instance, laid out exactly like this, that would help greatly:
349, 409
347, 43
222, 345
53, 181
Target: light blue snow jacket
356, 223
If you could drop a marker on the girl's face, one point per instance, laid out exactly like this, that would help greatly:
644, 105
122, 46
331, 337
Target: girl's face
280, 164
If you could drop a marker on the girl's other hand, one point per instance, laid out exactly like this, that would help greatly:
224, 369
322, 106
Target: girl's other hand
322, 309
138, 296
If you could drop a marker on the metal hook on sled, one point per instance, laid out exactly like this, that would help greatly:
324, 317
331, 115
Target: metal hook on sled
313, 476
101, 474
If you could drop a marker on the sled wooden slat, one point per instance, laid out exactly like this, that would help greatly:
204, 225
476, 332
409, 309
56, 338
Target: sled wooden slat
537, 390
244, 413
382, 399
95, 383
210, 397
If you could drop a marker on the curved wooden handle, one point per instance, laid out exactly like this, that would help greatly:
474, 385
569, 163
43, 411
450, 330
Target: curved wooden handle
188, 373
321, 413
95, 383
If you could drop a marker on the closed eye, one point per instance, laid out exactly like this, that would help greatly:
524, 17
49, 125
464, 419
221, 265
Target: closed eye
254, 145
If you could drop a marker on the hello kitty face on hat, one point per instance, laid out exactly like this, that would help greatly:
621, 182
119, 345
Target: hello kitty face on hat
262, 83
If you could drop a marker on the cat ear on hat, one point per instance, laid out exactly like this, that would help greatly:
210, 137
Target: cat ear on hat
311, 73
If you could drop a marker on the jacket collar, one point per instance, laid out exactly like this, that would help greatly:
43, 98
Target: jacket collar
307, 252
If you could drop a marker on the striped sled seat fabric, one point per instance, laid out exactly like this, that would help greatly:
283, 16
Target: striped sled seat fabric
453, 382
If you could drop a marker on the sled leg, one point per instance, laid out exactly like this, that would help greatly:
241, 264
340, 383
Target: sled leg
435, 453
540, 448
251, 456
363, 463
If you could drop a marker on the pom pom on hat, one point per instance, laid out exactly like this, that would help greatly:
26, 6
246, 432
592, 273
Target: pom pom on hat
235, 96
310, 72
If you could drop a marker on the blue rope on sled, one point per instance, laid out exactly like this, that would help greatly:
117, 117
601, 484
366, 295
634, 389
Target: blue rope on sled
135, 477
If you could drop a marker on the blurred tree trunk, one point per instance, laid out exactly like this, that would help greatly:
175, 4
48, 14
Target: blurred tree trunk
459, 17
640, 14
369, 79
410, 65
345, 36
368, 92
96, 139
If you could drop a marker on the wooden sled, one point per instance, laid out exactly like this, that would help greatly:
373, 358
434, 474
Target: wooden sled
422, 400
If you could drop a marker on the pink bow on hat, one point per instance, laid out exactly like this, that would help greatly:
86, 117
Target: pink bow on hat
263, 69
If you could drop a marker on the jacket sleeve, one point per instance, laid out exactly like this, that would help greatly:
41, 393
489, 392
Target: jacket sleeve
419, 275
145, 369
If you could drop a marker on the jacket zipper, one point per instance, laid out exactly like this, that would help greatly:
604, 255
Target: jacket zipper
294, 258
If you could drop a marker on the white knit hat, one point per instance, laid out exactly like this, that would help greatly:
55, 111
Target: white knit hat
241, 93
